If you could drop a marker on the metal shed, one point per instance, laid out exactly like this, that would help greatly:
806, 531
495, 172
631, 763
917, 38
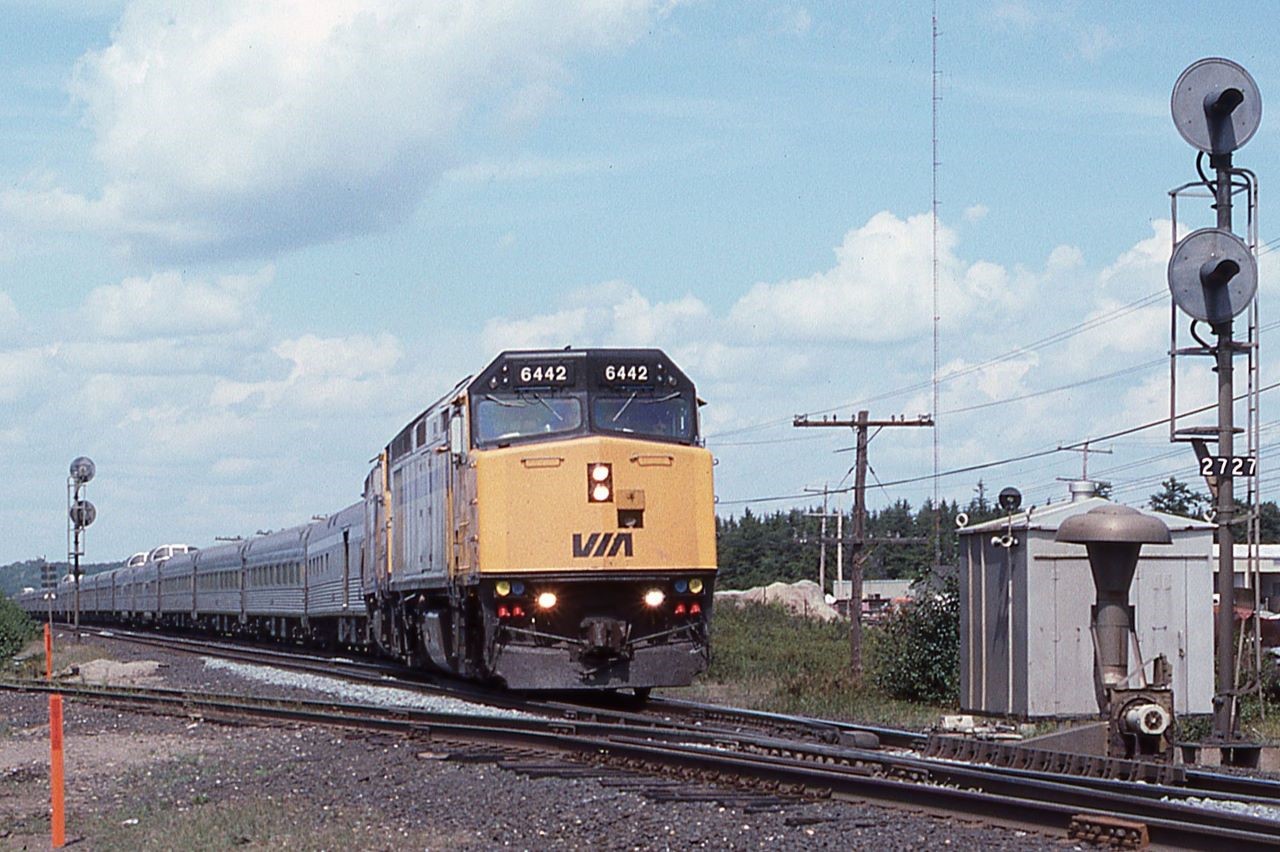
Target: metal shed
1025, 647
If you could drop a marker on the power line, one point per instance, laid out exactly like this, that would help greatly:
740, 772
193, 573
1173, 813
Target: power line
1137, 368
1131, 430
1036, 345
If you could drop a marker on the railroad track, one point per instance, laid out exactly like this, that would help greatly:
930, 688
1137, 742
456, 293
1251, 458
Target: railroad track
668, 712
662, 712
777, 766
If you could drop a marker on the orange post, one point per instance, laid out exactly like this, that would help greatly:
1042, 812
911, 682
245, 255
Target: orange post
48, 652
58, 833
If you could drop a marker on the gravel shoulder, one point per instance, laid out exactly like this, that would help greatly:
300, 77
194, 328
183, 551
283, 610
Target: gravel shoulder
136, 781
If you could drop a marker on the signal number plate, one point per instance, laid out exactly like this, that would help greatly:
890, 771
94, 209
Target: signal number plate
1229, 466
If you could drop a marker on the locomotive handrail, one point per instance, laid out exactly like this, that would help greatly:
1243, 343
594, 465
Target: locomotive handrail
653, 460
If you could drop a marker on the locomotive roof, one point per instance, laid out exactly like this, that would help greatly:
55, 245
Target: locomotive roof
584, 368
587, 371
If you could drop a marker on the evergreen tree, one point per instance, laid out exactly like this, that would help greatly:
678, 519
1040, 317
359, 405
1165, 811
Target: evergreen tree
1177, 498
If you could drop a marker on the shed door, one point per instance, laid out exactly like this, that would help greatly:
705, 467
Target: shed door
1074, 692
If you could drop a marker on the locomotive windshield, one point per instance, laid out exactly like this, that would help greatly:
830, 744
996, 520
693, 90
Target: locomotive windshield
652, 416
527, 415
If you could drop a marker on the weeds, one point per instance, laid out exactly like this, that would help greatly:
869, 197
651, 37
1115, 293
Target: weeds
16, 628
765, 658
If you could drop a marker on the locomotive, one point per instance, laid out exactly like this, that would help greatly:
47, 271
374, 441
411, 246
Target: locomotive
548, 524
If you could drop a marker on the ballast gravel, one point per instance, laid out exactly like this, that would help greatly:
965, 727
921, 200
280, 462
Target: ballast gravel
359, 693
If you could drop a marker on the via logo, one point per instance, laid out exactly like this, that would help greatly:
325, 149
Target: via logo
601, 544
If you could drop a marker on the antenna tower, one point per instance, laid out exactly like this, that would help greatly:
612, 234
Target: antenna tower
937, 509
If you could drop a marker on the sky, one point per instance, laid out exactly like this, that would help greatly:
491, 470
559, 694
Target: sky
243, 243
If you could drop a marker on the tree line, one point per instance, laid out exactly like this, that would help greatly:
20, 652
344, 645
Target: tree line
26, 573
756, 550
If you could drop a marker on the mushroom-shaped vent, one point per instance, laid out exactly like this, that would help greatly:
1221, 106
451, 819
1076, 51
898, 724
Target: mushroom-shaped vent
1114, 524
1113, 535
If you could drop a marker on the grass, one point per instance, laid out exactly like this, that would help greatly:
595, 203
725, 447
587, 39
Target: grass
66, 652
1259, 719
766, 659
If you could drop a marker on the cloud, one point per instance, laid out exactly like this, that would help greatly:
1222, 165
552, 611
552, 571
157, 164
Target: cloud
334, 374
1142, 268
186, 432
609, 314
1093, 41
1015, 13
10, 319
879, 290
239, 127
790, 21
169, 305
525, 167
1064, 259
24, 372
1089, 39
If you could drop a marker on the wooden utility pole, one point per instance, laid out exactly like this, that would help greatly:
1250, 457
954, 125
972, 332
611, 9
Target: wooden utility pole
1085, 449
861, 425
822, 537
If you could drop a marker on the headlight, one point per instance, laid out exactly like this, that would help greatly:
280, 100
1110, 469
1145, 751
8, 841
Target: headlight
547, 600
503, 588
695, 585
599, 482
654, 598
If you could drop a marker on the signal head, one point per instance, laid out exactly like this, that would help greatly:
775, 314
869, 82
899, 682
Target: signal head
82, 469
1010, 499
1212, 275
1216, 106
82, 513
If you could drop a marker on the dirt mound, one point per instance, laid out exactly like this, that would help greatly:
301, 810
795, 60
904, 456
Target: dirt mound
114, 673
802, 597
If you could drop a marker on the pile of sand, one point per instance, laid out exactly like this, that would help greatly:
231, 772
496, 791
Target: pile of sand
802, 597
114, 673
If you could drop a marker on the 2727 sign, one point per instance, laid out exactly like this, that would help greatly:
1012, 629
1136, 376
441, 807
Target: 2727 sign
1229, 466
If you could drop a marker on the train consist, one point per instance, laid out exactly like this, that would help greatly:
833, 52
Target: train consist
547, 524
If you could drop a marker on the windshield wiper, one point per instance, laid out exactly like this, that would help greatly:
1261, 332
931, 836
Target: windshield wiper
557, 415
630, 400
504, 403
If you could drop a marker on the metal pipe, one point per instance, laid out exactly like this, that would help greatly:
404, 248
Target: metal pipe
1224, 701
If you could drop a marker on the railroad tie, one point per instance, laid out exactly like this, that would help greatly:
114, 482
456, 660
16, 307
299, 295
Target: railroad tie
1109, 831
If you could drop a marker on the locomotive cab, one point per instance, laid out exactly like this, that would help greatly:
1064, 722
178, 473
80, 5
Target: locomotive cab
596, 545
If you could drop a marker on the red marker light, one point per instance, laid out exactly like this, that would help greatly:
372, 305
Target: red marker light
504, 612
695, 608
680, 609
518, 611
